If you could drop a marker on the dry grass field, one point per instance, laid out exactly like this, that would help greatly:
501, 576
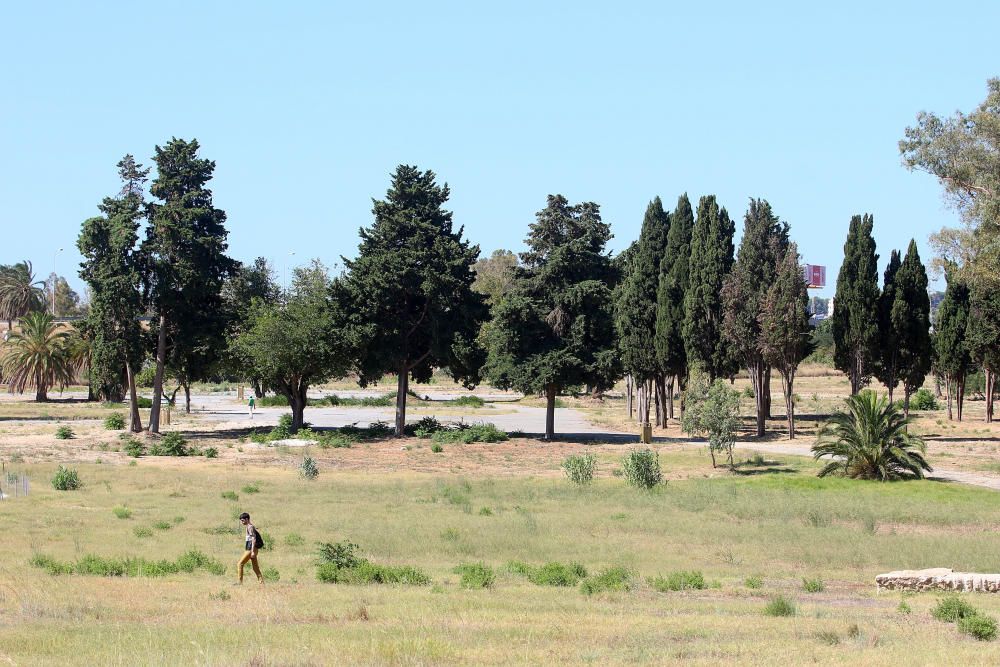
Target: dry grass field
752, 535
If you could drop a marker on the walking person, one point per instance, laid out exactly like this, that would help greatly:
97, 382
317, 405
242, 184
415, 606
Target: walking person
253, 542
251, 404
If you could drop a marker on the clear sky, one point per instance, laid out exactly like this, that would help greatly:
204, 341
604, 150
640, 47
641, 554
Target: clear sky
308, 107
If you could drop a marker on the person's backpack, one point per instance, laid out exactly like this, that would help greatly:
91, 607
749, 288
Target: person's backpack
258, 541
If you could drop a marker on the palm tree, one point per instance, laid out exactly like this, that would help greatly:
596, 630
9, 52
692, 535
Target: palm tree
37, 356
871, 441
20, 293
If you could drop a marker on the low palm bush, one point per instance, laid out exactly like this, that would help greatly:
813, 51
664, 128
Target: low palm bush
870, 441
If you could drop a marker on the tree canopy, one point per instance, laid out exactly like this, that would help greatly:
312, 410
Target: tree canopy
855, 310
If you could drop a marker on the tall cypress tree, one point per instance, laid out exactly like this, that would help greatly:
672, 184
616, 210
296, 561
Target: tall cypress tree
635, 306
952, 357
711, 260
411, 289
887, 364
185, 252
670, 295
112, 270
855, 308
984, 337
910, 319
762, 247
555, 328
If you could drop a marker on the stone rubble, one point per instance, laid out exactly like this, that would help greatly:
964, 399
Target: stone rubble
938, 579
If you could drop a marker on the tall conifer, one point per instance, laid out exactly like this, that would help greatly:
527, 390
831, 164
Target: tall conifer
910, 320
671, 291
887, 364
855, 308
952, 357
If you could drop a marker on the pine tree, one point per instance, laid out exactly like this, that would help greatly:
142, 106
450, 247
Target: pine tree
855, 311
784, 326
555, 329
952, 358
112, 268
670, 296
984, 337
762, 247
635, 307
185, 252
411, 289
910, 322
887, 364
711, 260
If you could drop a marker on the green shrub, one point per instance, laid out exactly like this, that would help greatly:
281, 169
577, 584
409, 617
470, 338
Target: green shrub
210, 453
340, 564
612, 579
424, 428
115, 421
468, 402
904, 608
122, 512
66, 479
436, 447
924, 399
579, 468
163, 525
294, 540
519, 567
131, 566
754, 581
983, 628
485, 511
64, 433
271, 574
143, 402
679, 581
50, 565
470, 433
813, 585
143, 531
476, 575
329, 440
308, 468
171, 444
339, 554
134, 448
557, 574
951, 608
779, 606
251, 488
642, 468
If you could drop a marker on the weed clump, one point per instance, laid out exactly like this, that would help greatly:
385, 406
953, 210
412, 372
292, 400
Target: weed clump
308, 468
557, 574
469, 433
982, 627
642, 468
952, 608
339, 564
476, 575
114, 422
172, 444
122, 512
612, 579
66, 479
436, 447
754, 581
251, 488
64, 433
130, 566
813, 585
134, 448
294, 540
679, 581
579, 468
780, 606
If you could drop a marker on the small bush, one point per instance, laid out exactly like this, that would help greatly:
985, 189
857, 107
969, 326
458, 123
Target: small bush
134, 448
519, 567
469, 402
339, 554
579, 468
294, 540
754, 581
251, 488
144, 402
308, 468
485, 511
813, 585
122, 512
230, 495
50, 565
367, 572
424, 428
271, 574
924, 400
642, 468
130, 566
64, 433
163, 525
557, 574
210, 453
66, 479
612, 579
173, 444
904, 608
115, 422
780, 606
983, 628
143, 531
475, 575
952, 608
470, 433
436, 447
679, 581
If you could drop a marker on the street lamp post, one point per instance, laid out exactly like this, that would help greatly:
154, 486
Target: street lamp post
55, 277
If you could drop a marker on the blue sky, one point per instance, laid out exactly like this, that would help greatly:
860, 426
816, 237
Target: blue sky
307, 109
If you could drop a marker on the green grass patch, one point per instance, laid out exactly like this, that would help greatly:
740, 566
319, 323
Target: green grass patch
475, 575
614, 579
678, 581
100, 566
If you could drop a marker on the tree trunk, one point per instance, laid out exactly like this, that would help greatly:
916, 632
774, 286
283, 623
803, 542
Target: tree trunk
670, 397
187, 398
959, 395
258, 389
947, 386
41, 393
161, 358
991, 380
402, 384
767, 393
550, 411
756, 373
628, 396
297, 401
906, 401
787, 382
135, 419
658, 401
662, 384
